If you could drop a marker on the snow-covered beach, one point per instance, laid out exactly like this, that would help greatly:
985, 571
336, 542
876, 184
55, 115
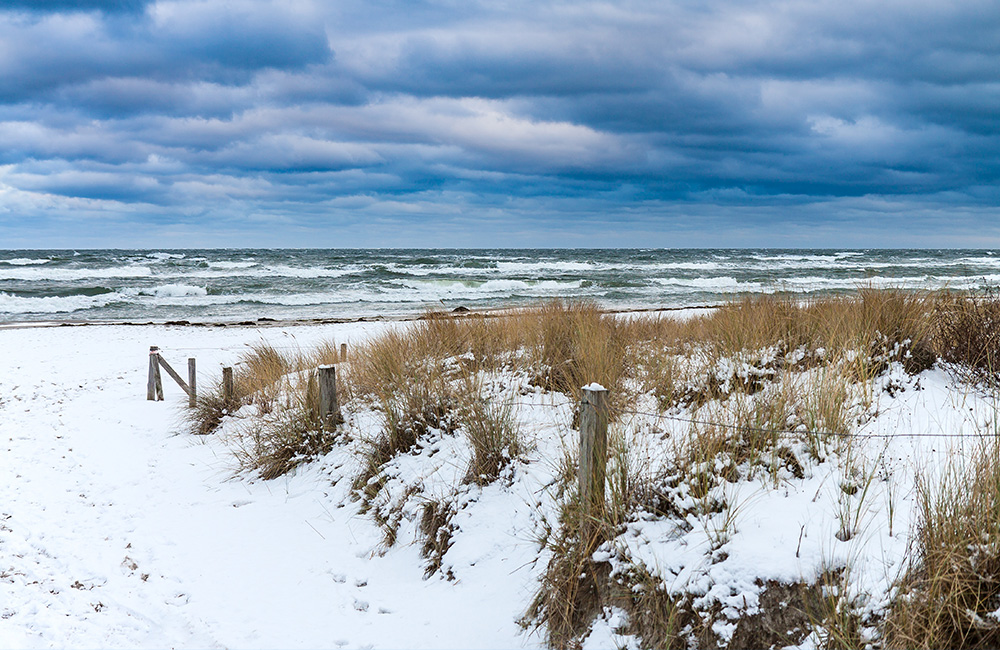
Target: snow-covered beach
119, 529
116, 530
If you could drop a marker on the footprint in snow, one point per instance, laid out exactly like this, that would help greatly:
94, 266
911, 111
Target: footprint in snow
179, 599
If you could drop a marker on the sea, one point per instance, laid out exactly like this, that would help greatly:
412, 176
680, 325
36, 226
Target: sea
234, 285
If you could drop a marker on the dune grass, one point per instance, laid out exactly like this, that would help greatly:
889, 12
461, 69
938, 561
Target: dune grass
772, 386
949, 596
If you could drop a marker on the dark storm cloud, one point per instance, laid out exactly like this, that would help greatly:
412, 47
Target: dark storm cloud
55, 57
759, 115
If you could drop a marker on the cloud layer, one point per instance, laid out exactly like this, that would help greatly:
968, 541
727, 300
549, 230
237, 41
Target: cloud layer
250, 122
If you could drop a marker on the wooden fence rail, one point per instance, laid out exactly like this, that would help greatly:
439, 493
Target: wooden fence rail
593, 420
154, 385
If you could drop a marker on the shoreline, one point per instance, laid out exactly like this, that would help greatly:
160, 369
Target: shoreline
459, 312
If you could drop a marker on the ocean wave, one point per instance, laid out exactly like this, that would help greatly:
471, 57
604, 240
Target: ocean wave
530, 267
984, 261
71, 275
236, 284
433, 288
24, 261
11, 304
231, 265
682, 266
173, 291
847, 262
723, 283
790, 257
541, 268
282, 270
859, 283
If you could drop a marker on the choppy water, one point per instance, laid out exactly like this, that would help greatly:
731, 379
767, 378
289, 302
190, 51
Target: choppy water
221, 285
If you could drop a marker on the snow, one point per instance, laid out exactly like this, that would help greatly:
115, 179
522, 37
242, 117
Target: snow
117, 529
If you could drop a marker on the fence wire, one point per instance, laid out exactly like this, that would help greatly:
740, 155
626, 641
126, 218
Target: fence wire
661, 416
781, 432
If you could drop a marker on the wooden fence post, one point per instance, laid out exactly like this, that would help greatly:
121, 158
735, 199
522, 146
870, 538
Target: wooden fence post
593, 451
154, 387
150, 378
192, 383
329, 405
343, 352
228, 389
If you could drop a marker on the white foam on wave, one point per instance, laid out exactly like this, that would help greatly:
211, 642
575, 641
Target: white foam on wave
724, 283
174, 291
282, 270
11, 304
166, 294
166, 256
681, 266
984, 261
24, 261
501, 286
419, 271
524, 268
435, 289
529, 267
819, 283
787, 257
70, 275
811, 284
231, 265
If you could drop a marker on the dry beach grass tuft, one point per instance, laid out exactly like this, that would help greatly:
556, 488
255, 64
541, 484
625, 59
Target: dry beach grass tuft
773, 388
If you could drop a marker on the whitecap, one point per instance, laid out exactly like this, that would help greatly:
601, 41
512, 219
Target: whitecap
528, 267
24, 261
69, 275
174, 291
11, 304
231, 265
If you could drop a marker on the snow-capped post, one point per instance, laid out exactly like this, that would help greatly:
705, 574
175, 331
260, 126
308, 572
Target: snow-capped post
329, 405
192, 383
228, 388
593, 450
343, 352
154, 387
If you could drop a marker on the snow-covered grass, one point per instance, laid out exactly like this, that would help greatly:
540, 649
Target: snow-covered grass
779, 474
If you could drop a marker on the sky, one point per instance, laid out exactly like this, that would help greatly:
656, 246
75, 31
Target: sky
301, 123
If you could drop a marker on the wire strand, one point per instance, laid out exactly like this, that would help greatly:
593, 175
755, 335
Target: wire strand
790, 432
658, 416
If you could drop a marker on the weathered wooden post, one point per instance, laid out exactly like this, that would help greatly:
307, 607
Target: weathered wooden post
329, 405
343, 352
150, 376
192, 383
154, 387
228, 389
593, 453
